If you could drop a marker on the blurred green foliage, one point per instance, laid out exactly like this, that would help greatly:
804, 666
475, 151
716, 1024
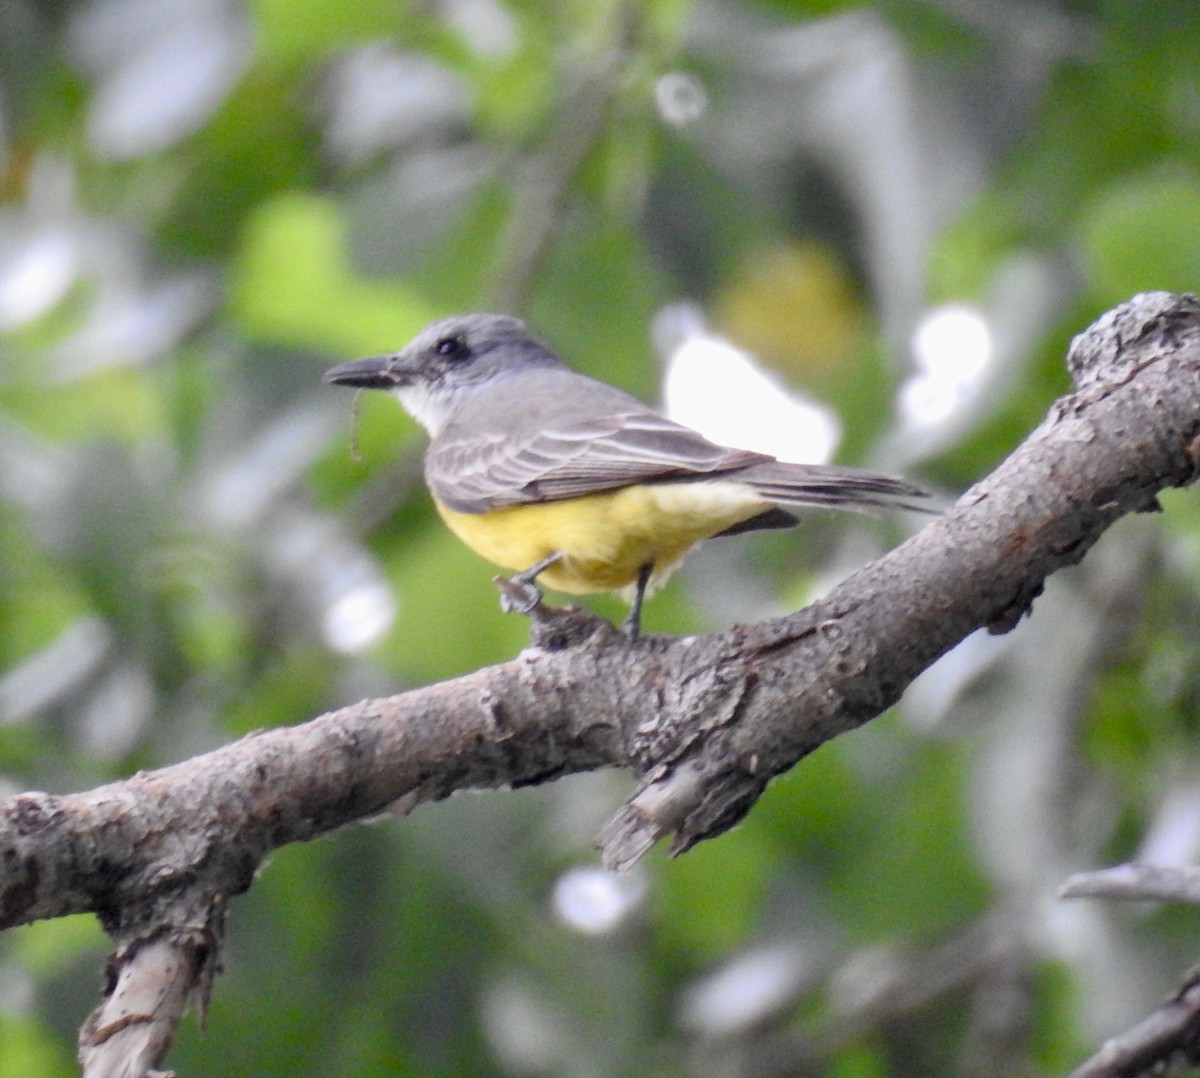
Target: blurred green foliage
203, 206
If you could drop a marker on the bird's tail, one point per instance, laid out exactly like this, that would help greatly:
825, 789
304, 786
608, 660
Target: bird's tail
825, 486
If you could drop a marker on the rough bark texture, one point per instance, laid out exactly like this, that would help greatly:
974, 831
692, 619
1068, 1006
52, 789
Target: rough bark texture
704, 721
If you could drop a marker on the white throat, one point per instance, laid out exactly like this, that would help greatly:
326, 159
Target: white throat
431, 409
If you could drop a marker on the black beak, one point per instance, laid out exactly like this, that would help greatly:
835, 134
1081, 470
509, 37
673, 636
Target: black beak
376, 373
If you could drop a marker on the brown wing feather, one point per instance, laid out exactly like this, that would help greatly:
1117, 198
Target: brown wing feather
473, 475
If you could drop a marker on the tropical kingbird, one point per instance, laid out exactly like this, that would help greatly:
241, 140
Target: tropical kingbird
571, 481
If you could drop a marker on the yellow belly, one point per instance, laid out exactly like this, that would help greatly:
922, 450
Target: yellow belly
605, 539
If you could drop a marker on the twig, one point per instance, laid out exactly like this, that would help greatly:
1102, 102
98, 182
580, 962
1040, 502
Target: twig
546, 179
1137, 882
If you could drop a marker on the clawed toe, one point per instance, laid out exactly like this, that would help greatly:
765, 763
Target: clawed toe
517, 596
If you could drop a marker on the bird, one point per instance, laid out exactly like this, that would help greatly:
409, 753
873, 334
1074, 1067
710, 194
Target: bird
571, 482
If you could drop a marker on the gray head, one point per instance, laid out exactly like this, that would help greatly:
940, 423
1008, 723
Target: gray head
446, 363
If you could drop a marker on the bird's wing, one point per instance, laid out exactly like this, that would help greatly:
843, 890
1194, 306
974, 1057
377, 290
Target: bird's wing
478, 472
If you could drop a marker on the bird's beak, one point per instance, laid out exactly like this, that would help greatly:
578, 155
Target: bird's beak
380, 372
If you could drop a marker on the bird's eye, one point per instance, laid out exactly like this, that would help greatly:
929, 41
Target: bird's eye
451, 348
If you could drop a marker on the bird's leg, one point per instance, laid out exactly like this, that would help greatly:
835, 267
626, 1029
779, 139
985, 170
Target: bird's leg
519, 594
632, 624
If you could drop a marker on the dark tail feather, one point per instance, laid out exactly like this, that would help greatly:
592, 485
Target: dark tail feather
833, 487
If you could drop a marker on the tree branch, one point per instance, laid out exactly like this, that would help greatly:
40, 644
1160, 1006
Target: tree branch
1165, 1042
704, 721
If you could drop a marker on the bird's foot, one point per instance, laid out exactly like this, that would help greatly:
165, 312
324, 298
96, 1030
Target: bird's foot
518, 596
